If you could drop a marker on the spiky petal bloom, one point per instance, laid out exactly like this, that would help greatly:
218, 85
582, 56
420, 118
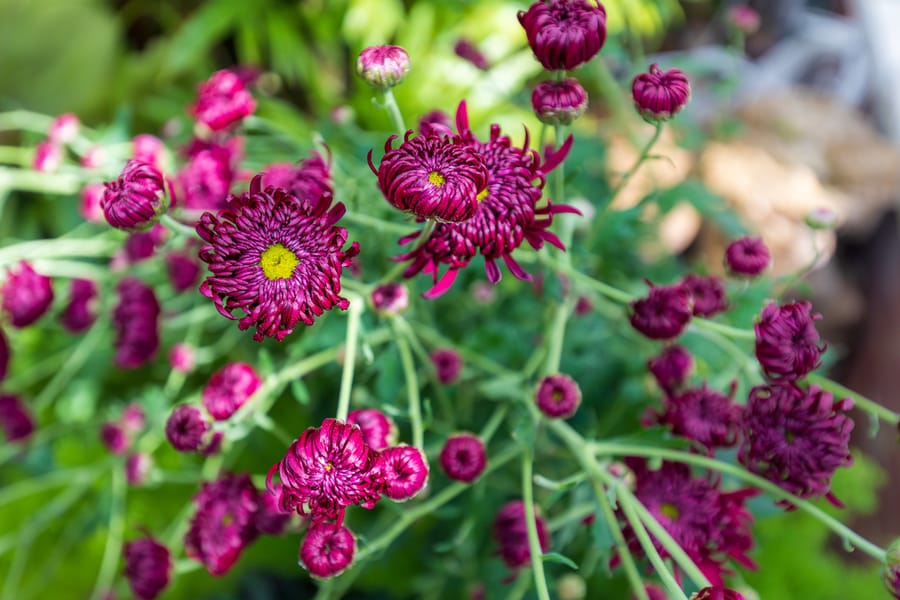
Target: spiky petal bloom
463, 457
229, 388
705, 416
447, 364
390, 298
205, 180
747, 256
796, 438
511, 534
788, 347
327, 469
308, 180
663, 313
707, 294
890, 569
558, 396
383, 66
507, 215
223, 522
26, 294
564, 34
222, 101
186, 428
148, 567
136, 319
404, 472
79, 314
431, 177
671, 367
379, 430
716, 592
275, 257
15, 418
327, 550
559, 102
136, 199
658, 95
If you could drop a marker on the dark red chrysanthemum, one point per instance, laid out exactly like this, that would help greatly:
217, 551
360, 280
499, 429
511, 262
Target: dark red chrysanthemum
327, 550
26, 294
705, 416
79, 313
308, 180
558, 396
716, 592
463, 457
564, 33
383, 66
275, 257
186, 428
223, 523
205, 180
183, 270
511, 534
148, 567
136, 199
663, 313
447, 364
15, 418
671, 367
708, 294
747, 256
788, 346
431, 177
796, 438
136, 319
658, 95
327, 469
506, 216
404, 472
222, 101
559, 102
379, 430
229, 388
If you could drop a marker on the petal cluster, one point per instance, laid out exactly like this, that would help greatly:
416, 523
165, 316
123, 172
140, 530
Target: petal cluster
223, 101
27, 295
229, 388
788, 346
136, 199
148, 567
564, 34
663, 313
136, 319
658, 95
463, 457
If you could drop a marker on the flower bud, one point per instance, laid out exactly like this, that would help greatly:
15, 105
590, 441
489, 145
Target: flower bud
747, 256
136, 199
659, 95
559, 102
558, 396
890, 569
463, 457
383, 66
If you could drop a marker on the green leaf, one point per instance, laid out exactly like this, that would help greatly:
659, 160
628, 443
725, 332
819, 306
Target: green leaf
300, 391
559, 558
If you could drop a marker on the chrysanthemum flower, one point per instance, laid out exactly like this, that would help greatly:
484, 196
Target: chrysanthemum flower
558, 396
183, 270
705, 416
270, 518
136, 319
564, 33
796, 438
788, 346
15, 418
658, 95
137, 467
79, 314
447, 364
707, 293
229, 388
186, 428
136, 199
308, 180
404, 472
559, 102
506, 216
463, 457
431, 177
327, 550
148, 567
747, 256
222, 101
327, 469
664, 313
26, 294
378, 429
205, 180
716, 592
390, 298
511, 534
671, 367
275, 257
383, 66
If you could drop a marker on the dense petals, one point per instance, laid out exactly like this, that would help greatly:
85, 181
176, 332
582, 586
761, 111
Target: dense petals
664, 313
148, 567
511, 534
707, 293
747, 256
447, 364
205, 180
379, 430
223, 101
671, 367
383, 66
404, 472
559, 102
136, 199
658, 95
308, 180
186, 428
229, 388
788, 346
26, 295
705, 416
558, 396
327, 550
463, 457
80, 312
564, 33
136, 319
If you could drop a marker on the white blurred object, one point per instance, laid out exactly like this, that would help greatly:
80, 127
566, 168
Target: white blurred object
878, 19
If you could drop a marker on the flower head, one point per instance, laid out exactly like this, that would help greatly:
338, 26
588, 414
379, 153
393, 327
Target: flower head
787, 344
79, 313
182, 358
890, 569
431, 177
48, 156
671, 367
327, 550
716, 592
511, 534
658, 95
466, 50
148, 567
222, 101
747, 256
705, 416
183, 270
64, 129
383, 66
137, 467
114, 438
447, 363
26, 294
744, 19
663, 313
404, 472
308, 180
558, 396
136, 319
15, 418
275, 257
559, 102
564, 34
379, 430
707, 294
186, 428
136, 199
463, 457
796, 438
390, 298
229, 388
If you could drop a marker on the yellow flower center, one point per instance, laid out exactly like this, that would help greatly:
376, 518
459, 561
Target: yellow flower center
278, 262
556, 396
328, 467
435, 178
482, 195
670, 510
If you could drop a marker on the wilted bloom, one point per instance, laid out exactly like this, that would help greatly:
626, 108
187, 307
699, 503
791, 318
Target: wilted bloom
222, 101
91, 206
63, 129
186, 428
327, 469
137, 467
463, 457
223, 522
663, 313
511, 534
26, 295
136, 199
671, 367
705, 416
275, 257
327, 550
796, 438
148, 567
708, 294
466, 50
379, 430
229, 388
787, 343
205, 180
559, 102
744, 19
404, 470
658, 95
890, 569
15, 418
182, 358
383, 66
79, 312
183, 270
747, 256
564, 33
136, 319
558, 396
716, 592
390, 298
431, 177
436, 122
47, 157
114, 438
447, 363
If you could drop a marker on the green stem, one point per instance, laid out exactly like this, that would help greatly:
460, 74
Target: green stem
59, 248
354, 314
178, 227
628, 563
73, 364
27, 180
114, 534
490, 428
390, 104
412, 385
534, 543
15, 155
870, 406
645, 152
556, 335
726, 330
25, 120
611, 292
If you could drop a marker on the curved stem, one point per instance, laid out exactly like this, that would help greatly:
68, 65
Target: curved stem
390, 104
631, 570
178, 227
59, 248
354, 314
870, 406
645, 152
114, 535
726, 330
534, 543
412, 385
611, 292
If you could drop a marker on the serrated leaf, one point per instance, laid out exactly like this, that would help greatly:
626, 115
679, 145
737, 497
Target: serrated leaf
559, 558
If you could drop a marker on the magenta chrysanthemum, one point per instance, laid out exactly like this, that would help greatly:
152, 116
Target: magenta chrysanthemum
26, 294
186, 428
705, 416
15, 418
558, 396
183, 269
796, 438
463, 457
447, 364
707, 294
559, 102
48, 157
275, 257
511, 534
136, 199
79, 314
205, 180
431, 177
148, 567
404, 472
223, 101
788, 346
716, 592
137, 467
270, 518
229, 388
506, 216
114, 438
436, 122
390, 298
383, 66
663, 313
658, 95
564, 33
327, 550
379, 430
136, 318
747, 256
671, 367
308, 180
